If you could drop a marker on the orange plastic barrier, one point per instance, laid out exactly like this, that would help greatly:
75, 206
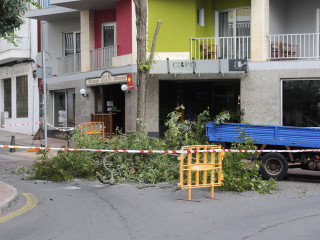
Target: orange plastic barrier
198, 170
93, 128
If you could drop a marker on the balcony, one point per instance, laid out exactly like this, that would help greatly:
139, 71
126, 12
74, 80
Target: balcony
294, 46
50, 12
102, 58
9, 52
212, 48
69, 64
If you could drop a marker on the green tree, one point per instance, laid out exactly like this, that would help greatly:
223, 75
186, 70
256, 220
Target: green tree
11, 12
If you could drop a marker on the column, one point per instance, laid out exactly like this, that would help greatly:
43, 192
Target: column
259, 30
87, 38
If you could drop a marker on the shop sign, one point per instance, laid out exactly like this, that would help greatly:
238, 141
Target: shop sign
106, 78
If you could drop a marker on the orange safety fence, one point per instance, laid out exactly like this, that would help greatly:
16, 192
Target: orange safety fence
93, 128
198, 170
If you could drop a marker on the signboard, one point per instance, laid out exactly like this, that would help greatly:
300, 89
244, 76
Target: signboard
130, 83
238, 65
106, 78
39, 72
39, 58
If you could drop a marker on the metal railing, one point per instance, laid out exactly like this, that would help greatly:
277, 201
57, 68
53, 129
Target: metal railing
46, 4
69, 64
211, 48
294, 46
102, 58
21, 43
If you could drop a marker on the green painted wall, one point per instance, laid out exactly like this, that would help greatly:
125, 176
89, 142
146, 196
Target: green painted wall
178, 24
224, 4
179, 21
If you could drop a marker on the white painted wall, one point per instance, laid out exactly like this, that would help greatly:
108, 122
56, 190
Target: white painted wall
23, 69
293, 16
52, 38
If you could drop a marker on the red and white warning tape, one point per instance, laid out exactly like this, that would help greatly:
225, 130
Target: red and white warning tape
60, 129
160, 151
21, 124
50, 125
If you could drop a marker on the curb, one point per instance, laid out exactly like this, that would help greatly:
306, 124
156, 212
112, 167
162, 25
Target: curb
9, 201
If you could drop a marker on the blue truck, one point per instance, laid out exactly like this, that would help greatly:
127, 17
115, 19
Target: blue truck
275, 165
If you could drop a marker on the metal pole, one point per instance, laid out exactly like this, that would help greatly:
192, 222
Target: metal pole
13, 143
45, 98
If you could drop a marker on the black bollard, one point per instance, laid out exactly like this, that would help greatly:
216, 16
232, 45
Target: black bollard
13, 143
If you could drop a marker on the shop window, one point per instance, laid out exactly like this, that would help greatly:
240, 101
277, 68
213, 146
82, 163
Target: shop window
301, 103
7, 96
22, 96
64, 108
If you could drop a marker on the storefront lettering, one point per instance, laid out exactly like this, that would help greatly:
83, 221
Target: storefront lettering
106, 78
183, 64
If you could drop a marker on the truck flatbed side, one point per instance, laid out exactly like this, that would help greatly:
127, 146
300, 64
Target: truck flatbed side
265, 134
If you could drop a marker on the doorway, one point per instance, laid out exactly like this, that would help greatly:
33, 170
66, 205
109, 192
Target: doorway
197, 97
110, 98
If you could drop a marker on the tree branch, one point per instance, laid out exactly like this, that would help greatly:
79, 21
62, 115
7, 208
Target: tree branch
155, 36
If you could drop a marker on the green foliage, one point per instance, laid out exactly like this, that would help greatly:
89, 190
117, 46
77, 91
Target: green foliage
146, 66
68, 165
241, 175
11, 12
186, 132
151, 168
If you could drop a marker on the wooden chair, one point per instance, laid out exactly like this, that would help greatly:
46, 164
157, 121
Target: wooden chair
209, 51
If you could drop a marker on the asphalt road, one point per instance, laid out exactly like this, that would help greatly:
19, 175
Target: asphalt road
88, 210
82, 210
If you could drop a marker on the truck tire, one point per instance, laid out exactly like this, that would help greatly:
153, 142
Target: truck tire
274, 166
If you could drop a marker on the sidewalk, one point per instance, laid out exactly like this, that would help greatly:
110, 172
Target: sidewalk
26, 140
8, 197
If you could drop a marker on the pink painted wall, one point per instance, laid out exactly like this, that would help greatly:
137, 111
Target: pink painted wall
102, 16
123, 18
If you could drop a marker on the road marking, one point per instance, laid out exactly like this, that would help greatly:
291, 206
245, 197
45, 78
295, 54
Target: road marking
71, 188
32, 202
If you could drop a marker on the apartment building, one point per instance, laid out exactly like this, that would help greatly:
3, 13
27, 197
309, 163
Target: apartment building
261, 56
19, 91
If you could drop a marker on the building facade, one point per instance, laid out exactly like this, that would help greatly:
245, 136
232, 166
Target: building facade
258, 56
19, 92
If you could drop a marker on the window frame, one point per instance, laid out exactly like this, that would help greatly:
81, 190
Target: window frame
74, 38
114, 24
19, 95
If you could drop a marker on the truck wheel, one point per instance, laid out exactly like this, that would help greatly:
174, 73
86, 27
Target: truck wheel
274, 166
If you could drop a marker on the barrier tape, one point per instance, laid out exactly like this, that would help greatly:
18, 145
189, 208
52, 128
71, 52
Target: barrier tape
60, 129
160, 151
50, 125
21, 124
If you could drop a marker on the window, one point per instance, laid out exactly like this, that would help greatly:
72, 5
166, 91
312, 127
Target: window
234, 26
22, 96
7, 96
301, 103
109, 34
64, 108
72, 43
200, 16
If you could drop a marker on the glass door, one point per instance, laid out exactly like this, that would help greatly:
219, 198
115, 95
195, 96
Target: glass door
234, 33
64, 108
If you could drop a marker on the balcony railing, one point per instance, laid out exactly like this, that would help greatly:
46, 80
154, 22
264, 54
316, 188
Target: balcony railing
294, 46
22, 43
69, 64
220, 48
102, 58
